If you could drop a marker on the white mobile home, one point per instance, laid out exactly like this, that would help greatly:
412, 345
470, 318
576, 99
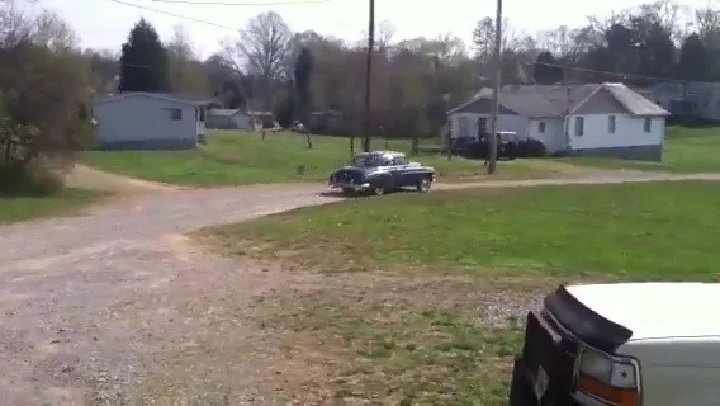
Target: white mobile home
149, 121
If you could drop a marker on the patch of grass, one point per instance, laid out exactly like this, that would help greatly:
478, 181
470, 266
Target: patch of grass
433, 355
687, 150
237, 158
400, 340
19, 207
649, 230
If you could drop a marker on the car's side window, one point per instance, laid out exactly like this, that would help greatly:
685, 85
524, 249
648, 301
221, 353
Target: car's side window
399, 161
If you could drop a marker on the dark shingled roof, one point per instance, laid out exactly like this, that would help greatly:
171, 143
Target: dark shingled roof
557, 100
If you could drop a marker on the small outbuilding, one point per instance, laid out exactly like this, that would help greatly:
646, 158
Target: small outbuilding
228, 119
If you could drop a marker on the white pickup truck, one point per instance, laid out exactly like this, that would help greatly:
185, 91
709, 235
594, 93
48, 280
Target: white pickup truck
651, 344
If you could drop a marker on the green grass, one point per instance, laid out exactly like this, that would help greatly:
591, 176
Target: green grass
20, 208
687, 150
417, 332
237, 158
645, 230
427, 355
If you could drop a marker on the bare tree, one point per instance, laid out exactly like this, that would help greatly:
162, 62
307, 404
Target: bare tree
186, 72
262, 50
384, 36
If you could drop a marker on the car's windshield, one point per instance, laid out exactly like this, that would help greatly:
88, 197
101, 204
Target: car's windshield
370, 160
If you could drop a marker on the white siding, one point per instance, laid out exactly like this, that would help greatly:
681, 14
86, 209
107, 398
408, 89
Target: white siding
144, 119
554, 136
629, 131
241, 120
506, 122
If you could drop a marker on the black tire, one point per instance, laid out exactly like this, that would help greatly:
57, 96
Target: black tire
424, 185
521, 394
378, 190
348, 191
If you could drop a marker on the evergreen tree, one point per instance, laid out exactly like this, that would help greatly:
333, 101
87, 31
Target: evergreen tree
144, 61
303, 75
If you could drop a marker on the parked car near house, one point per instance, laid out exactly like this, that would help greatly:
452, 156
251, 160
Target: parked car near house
381, 172
507, 146
652, 344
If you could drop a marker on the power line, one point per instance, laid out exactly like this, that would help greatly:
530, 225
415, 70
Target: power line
184, 17
604, 72
223, 3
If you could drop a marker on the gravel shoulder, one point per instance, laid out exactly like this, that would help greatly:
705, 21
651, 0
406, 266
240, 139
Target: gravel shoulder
112, 303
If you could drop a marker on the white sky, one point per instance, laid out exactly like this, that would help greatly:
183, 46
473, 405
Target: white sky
105, 24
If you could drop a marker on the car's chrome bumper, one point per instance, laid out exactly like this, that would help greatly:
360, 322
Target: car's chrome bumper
354, 186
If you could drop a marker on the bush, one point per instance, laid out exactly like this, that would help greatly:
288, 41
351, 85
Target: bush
36, 179
531, 148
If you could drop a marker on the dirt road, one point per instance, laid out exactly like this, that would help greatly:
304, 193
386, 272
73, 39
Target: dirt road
113, 302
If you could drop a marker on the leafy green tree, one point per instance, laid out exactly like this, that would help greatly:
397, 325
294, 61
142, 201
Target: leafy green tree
144, 62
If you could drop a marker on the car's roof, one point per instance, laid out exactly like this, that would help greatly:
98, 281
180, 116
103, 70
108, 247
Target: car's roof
383, 153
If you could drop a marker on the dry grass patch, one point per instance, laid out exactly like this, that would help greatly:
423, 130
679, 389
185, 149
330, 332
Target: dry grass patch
392, 338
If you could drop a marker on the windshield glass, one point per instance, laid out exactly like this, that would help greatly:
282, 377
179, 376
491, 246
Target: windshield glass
370, 160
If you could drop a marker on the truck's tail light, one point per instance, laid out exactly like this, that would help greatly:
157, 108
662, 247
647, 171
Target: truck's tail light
609, 379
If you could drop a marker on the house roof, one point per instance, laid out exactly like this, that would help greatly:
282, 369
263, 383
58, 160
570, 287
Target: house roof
224, 112
558, 100
175, 97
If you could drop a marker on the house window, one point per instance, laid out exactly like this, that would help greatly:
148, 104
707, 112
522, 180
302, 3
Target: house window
611, 124
579, 124
541, 127
175, 114
647, 125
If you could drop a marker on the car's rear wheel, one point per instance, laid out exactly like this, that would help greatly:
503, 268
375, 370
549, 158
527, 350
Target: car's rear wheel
424, 185
378, 190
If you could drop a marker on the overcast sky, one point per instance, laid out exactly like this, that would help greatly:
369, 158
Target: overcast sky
105, 24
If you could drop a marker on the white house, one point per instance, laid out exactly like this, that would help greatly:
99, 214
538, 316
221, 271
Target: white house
228, 119
606, 119
142, 120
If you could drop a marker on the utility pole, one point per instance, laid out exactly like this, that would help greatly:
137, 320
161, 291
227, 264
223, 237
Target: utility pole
368, 71
497, 60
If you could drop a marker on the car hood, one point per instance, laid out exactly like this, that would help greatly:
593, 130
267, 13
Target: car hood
655, 310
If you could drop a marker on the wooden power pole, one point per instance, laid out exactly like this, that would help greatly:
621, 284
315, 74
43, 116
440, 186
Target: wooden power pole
368, 75
497, 68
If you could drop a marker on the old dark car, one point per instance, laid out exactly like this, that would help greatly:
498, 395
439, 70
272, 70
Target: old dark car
507, 146
381, 172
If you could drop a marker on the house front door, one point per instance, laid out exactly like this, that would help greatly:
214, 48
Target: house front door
482, 126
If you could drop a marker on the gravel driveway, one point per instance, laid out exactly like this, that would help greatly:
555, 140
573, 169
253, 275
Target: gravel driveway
71, 288
89, 302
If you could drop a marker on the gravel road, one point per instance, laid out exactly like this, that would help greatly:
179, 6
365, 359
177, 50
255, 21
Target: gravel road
88, 301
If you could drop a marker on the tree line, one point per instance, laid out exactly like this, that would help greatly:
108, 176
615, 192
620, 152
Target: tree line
44, 99
416, 80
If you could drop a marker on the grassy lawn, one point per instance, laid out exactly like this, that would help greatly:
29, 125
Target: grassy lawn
21, 208
440, 323
236, 158
687, 150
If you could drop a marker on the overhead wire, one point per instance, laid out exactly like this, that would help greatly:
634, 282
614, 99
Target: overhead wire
225, 3
300, 2
608, 73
